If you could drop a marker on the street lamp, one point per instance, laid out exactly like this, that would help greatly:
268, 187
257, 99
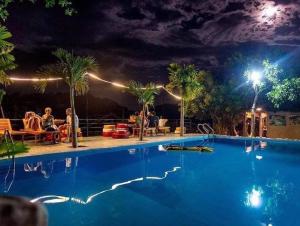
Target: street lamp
254, 77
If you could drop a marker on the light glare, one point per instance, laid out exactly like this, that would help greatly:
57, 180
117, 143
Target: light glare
270, 11
255, 77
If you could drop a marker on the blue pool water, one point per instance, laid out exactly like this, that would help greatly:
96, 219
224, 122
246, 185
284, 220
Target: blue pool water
239, 184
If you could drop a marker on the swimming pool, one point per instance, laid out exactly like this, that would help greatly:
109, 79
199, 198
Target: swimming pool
240, 183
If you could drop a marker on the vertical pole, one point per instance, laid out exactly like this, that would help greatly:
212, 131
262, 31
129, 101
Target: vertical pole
253, 113
142, 124
182, 117
73, 126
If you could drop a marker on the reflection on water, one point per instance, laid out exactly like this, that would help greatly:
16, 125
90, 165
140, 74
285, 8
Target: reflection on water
10, 175
255, 145
46, 168
254, 197
269, 197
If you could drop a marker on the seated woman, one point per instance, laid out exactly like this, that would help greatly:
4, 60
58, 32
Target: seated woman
32, 121
48, 120
66, 128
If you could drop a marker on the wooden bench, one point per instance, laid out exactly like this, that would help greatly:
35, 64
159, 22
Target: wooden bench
5, 124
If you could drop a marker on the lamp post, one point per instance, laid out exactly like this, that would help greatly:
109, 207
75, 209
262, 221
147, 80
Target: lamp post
255, 77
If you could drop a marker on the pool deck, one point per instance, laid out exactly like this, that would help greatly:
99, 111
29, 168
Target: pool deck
93, 143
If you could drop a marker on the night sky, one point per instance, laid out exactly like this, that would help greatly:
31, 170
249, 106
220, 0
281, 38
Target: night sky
138, 39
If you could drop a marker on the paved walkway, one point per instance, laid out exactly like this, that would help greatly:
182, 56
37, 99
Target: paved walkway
89, 143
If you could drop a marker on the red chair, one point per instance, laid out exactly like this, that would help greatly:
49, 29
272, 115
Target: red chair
121, 132
108, 130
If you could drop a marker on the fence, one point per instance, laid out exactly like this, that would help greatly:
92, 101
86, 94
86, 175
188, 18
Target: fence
93, 127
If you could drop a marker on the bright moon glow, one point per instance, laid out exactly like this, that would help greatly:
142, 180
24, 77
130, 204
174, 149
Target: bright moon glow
270, 11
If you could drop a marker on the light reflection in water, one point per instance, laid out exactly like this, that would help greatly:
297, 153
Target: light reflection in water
254, 197
51, 199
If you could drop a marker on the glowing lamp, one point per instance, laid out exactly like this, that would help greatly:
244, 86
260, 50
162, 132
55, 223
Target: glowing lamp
255, 77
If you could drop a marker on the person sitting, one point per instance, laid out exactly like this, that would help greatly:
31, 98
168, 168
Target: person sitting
66, 128
151, 120
48, 120
32, 121
145, 119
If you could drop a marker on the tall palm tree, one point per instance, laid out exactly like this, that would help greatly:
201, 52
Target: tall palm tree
186, 80
73, 69
2, 94
145, 96
6, 58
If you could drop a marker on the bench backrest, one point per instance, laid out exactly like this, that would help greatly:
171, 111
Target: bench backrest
5, 124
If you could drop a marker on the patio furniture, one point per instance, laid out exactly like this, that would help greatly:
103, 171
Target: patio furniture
66, 134
108, 130
5, 124
121, 131
49, 135
150, 131
162, 126
147, 131
177, 130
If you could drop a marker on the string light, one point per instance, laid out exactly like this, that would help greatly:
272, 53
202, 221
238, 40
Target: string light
93, 76
34, 79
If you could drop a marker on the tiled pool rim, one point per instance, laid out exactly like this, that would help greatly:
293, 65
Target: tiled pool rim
140, 144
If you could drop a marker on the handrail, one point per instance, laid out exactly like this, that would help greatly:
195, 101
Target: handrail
211, 129
206, 128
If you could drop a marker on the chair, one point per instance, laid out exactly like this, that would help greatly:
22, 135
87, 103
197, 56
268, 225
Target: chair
121, 131
39, 132
5, 124
161, 126
66, 134
108, 130
178, 129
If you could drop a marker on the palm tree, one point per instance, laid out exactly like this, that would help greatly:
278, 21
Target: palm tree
186, 80
6, 58
73, 69
145, 96
2, 94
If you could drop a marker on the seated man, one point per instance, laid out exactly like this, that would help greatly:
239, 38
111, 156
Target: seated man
66, 128
48, 120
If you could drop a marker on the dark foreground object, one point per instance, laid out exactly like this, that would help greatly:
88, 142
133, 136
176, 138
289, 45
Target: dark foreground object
16, 211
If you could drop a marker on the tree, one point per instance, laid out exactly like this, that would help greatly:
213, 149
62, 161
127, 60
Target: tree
188, 81
278, 86
6, 58
2, 94
73, 70
145, 96
224, 104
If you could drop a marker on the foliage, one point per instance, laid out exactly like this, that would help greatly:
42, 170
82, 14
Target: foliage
65, 4
278, 86
223, 104
6, 58
186, 79
189, 83
145, 95
73, 70
286, 90
9, 148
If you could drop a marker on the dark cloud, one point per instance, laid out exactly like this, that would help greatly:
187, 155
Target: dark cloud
138, 39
